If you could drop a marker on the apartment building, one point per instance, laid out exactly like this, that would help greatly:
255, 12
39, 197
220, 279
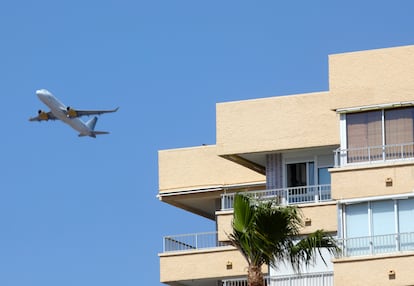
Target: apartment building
344, 156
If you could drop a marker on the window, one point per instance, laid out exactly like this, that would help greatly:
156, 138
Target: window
300, 174
399, 129
356, 229
399, 125
364, 129
380, 134
300, 178
383, 226
324, 177
405, 224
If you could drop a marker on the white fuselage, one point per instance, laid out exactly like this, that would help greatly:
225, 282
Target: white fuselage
58, 109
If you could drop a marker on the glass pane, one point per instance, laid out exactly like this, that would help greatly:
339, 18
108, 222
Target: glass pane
383, 218
364, 136
324, 177
311, 175
406, 224
383, 226
324, 182
357, 220
399, 125
406, 215
357, 226
399, 133
296, 175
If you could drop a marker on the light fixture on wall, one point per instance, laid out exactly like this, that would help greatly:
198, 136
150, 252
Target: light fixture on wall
391, 275
388, 182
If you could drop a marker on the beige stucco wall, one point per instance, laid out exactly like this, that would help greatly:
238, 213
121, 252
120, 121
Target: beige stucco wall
198, 168
375, 271
371, 77
202, 264
276, 123
322, 216
224, 220
370, 180
306, 120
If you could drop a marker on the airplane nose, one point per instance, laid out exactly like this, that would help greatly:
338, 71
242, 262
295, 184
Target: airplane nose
40, 95
41, 91
43, 94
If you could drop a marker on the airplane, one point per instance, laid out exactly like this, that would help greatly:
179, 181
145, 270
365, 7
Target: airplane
68, 115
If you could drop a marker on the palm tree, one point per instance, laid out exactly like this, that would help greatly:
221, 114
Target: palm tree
267, 233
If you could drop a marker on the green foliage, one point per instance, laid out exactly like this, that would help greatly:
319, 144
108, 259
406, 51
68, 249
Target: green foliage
265, 232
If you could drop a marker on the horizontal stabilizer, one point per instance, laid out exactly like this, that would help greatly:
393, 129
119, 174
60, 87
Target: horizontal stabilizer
93, 133
100, 132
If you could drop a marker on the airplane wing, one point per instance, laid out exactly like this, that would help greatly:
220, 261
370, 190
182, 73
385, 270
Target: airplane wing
43, 116
78, 113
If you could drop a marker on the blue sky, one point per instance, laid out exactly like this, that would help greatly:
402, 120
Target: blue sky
83, 211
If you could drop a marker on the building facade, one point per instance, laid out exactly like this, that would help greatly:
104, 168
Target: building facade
345, 157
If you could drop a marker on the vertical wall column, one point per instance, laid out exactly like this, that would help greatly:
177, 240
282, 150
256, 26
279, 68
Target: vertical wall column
274, 171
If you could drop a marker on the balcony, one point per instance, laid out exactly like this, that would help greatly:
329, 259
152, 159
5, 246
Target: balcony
317, 279
199, 259
194, 241
374, 154
374, 245
285, 196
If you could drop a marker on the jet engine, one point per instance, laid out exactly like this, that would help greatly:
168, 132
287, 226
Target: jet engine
71, 113
43, 115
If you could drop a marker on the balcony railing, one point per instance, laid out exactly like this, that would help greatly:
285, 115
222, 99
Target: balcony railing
314, 279
286, 196
374, 154
194, 241
379, 244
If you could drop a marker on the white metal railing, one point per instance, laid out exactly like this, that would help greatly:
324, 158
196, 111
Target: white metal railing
314, 279
286, 196
194, 241
374, 154
379, 244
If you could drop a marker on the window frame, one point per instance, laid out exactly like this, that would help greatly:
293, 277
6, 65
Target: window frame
396, 200
344, 144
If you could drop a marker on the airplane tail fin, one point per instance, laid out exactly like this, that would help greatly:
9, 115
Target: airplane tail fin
91, 124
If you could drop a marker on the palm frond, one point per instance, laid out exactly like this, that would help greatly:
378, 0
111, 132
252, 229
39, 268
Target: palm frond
307, 248
242, 225
243, 213
265, 232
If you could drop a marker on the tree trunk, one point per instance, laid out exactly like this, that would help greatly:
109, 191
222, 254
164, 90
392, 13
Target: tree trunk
255, 276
